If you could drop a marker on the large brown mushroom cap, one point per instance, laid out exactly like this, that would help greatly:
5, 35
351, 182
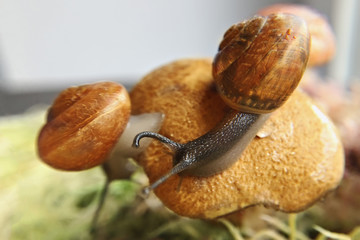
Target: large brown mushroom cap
298, 159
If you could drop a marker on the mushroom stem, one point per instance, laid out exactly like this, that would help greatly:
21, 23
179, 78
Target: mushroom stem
103, 194
116, 165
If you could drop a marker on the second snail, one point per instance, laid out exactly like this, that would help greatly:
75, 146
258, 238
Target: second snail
259, 64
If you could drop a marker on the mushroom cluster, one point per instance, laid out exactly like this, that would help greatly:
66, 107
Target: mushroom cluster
217, 158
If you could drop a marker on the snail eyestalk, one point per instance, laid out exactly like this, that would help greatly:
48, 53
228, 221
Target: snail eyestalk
173, 145
181, 166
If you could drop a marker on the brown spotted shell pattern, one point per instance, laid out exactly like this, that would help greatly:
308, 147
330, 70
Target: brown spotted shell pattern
260, 60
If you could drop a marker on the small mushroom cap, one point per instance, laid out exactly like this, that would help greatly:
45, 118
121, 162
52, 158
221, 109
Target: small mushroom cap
83, 125
295, 161
322, 37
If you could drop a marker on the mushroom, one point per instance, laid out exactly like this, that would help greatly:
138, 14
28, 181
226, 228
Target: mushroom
296, 159
322, 36
259, 64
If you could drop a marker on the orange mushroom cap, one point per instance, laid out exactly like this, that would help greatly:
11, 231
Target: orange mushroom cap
297, 159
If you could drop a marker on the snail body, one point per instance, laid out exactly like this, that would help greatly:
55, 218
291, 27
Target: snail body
259, 64
213, 152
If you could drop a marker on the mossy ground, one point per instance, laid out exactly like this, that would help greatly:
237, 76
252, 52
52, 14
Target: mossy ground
38, 202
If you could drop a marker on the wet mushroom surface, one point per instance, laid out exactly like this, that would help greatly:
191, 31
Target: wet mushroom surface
296, 159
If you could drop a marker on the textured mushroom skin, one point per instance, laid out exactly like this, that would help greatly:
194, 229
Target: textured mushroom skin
296, 164
83, 125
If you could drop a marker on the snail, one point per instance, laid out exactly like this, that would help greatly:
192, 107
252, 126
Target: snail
259, 64
80, 128
91, 125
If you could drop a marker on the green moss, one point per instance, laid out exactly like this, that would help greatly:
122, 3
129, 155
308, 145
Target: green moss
38, 202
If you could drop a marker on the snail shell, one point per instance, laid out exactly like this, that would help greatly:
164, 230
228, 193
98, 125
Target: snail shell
260, 60
83, 125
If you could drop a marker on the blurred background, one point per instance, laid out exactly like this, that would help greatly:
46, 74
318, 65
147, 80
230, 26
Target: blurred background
46, 46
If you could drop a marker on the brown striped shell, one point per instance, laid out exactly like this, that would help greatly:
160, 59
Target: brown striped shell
260, 62
83, 125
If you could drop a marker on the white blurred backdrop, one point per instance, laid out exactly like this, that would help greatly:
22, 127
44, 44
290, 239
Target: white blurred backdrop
47, 45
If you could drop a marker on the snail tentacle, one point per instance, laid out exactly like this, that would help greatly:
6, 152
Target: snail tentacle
170, 143
178, 168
